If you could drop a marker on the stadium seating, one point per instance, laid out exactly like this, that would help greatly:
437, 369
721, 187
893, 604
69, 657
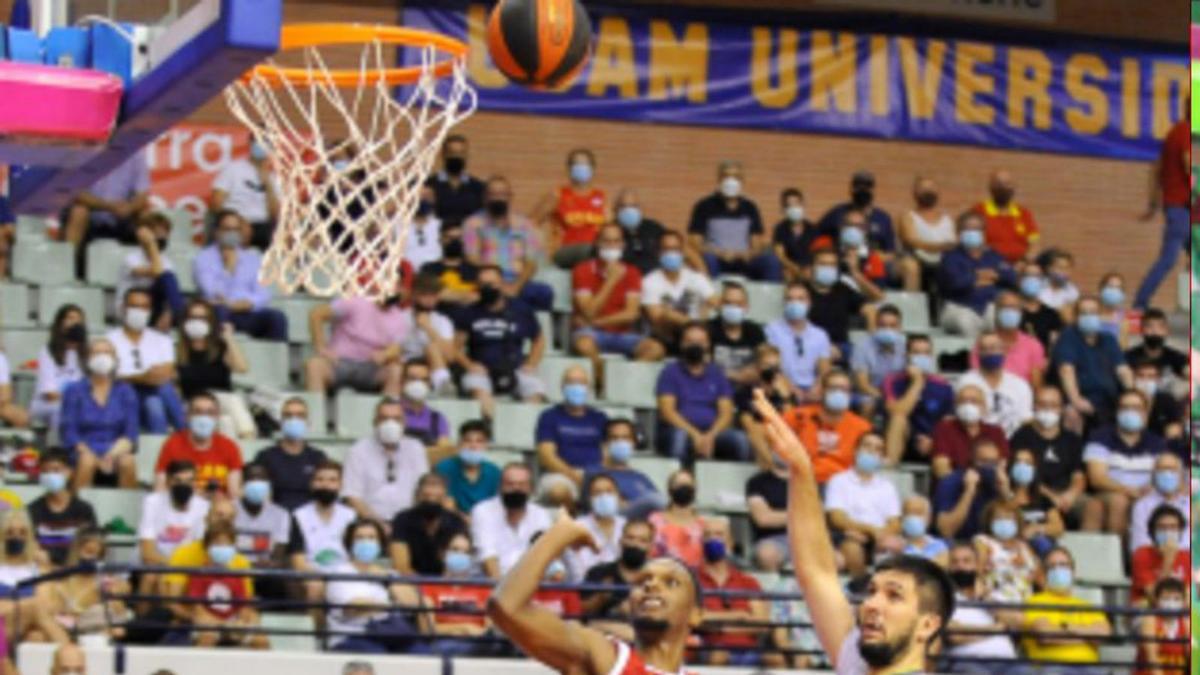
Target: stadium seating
14, 306
104, 260
458, 411
914, 309
296, 309
354, 413
1097, 558
721, 486
90, 300
657, 469
21, 346
30, 258
515, 424
268, 361
112, 504
631, 383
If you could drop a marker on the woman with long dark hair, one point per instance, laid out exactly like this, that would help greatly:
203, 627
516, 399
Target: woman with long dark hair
60, 363
206, 358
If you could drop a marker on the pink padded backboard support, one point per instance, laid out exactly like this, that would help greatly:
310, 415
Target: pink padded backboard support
57, 103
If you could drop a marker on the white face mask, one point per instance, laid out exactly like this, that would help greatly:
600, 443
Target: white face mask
1047, 419
969, 412
417, 390
196, 329
731, 187
795, 213
102, 364
137, 318
611, 254
389, 432
1147, 387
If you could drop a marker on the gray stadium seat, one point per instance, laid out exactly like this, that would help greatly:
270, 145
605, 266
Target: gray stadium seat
22, 345
766, 301
111, 504
546, 322
721, 486
91, 300
914, 309
457, 411
943, 344
268, 362
104, 258
355, 413
631, 383
1097, 558
31, 228
148, 448
296, 308
45, 263
181, 261
14, 306
278, 621
904, 482
560, 281
657, 469
516, 423
551, 372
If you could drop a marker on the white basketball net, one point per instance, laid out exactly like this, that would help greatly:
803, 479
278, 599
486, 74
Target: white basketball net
347, 197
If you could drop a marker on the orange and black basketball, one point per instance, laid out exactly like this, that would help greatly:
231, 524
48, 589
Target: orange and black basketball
539, 43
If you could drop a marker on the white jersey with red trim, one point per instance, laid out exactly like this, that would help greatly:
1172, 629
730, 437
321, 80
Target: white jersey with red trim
629, 662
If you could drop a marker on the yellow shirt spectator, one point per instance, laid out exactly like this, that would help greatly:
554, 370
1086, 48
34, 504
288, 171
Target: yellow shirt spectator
193, 554
1079, 650
9, 500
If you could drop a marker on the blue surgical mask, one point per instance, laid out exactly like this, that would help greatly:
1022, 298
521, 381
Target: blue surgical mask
605, 505
923, 362
365, 550
1031, 286
202, 426
1130, 420
671, 261
825, 275
471, 456
1089, 324
1112, 296
1008, 317
991, 361
580, 172
795, 310
1004, 528
889, 337
458, 562
258, 151
221, 554
294, 428
256, 491
556, 568
1166, 482
852, 237
575, 394
867, 462
53, 481
629, 216
620, 451
1022, 473
733, 314
1060, 578
714, 550
837, 400
913, 526
1164, 537
971, 238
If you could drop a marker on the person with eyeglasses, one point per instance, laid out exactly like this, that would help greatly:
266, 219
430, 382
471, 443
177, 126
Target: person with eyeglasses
382, 468
1165, 557
146, 360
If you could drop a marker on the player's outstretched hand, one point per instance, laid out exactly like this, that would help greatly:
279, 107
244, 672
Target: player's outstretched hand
780, 436
574, 533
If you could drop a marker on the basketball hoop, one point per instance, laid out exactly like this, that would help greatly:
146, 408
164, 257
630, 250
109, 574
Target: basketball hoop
346, 206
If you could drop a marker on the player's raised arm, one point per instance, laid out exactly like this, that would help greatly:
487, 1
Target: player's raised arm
566, 646
812, 547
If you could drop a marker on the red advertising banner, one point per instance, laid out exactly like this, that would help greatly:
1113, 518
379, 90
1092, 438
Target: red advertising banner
184, 162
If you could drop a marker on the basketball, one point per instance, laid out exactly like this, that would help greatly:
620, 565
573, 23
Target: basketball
539, 43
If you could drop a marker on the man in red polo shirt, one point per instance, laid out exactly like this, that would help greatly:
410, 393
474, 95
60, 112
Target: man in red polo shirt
717, 573
1010, 228
954, 437
1169, 189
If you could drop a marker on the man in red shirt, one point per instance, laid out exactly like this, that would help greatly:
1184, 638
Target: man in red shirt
608, 305
217, 457
1010, 229
1163, 559
954, 437
717, 573
1171, 177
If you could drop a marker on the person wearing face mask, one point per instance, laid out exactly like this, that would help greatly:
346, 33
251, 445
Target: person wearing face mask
954, 437
1170, 489
315, 541
1059, 292
464, 594
878, 223
1166, 413
1171, 362
262, 528
250, 186
146, 360
863, 507
877, 355
217, 457
58, 515
916, 399
793, 237
1024, 356
421, 421
227, 275
148, 267
60, 362
27, 609
679, 528
637, 537
432, 334
1058, 455
1163, 557
839, 291
498, 235
457, 194
109, 209
927, 230
975, 632
1007, 561
805, 348
718, 573
970, 276
1010, 228
572, 215
99, 421
383, 467
829, 429
915, 515
1010, 396
79, 599
1037, 318
735, 338
1161, 634
291, 460
1114, 317
363, 348
635, 488
470, 477
674, 294
1044, 522
207, 358
862, 246
769, 377
959, 497
424, 242
568, 436
727, 229
643, 234
607, 305
169, 519
457, 278
499, 346
695, 405
604, 521
502, 527
419, 533
1120, 461
1070, 637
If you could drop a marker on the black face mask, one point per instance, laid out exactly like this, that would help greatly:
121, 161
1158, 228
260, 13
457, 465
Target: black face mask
424, 208
926, 200
963, 578
1002, 196
497, 208
76, 333
427, 510
633, 557
1154, 342
14, 547
455, 165
162, 244
181, 493
768, 374
683, 495
391, 301
514, 500
692, 354
488, 295
861, 197
324, 496
453, 248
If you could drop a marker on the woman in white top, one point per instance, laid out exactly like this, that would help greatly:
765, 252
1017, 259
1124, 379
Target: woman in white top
59, 363
31, 611
1007, 561
604, 522
927, 230
372, 615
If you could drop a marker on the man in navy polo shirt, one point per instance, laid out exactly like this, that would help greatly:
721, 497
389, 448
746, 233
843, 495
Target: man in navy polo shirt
1120, 461
1090, 364
569, 434
695, 405
970, 276
916, 399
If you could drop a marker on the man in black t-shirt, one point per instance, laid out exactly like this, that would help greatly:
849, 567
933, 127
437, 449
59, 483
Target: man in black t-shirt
290, 462
457, 194
727, 229
1154, 346
58, 515
836, 299
637, 538
1059, 454
1037, 319
1166, 413
734, 337
420, 534
642, 234
766, 498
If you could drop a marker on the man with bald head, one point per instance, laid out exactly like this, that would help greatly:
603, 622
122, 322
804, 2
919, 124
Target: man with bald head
569, 435
69, 660
1011, 230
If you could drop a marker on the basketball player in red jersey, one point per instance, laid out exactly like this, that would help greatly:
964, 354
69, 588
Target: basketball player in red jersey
664, 602
909, 599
